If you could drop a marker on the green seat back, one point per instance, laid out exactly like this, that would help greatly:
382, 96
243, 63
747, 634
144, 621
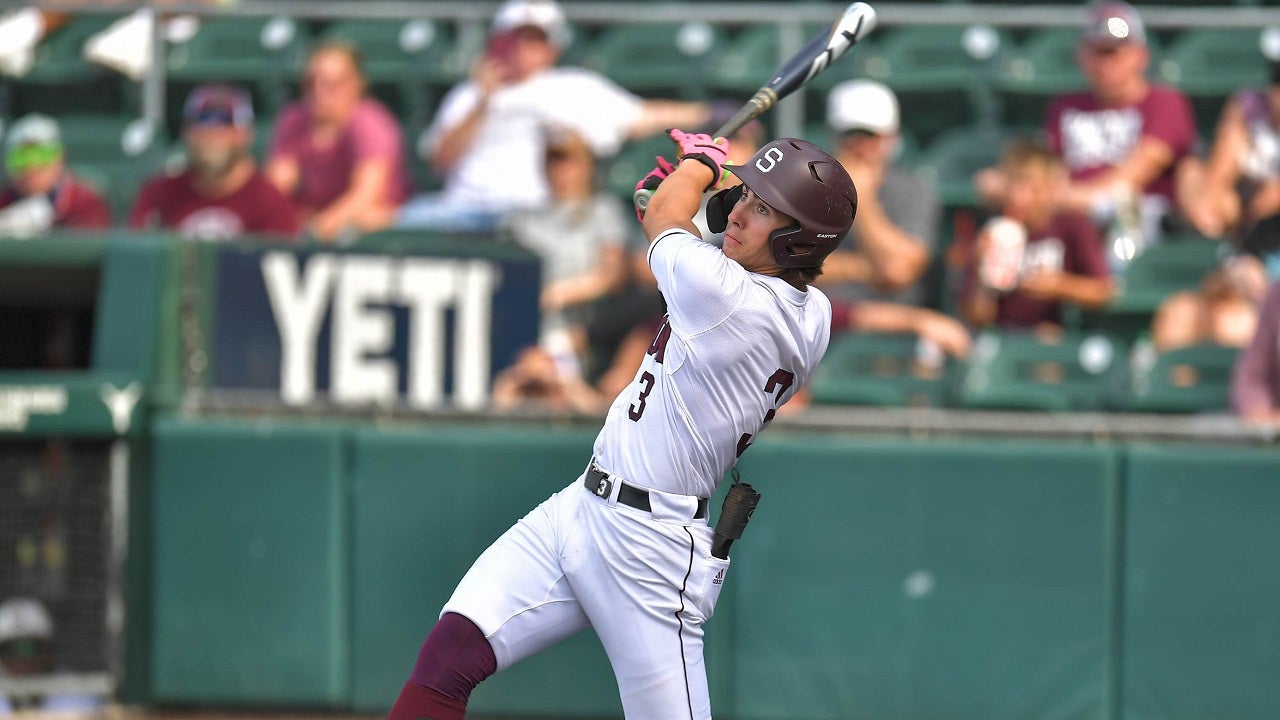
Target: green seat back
650, 57
1216, 61
881, 369
60, 56
1175, 264
954, 156
621, 172
1196, 378
1019, 370
935, 57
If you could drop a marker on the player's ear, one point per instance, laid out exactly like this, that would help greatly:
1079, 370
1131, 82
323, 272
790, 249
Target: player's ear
719, 206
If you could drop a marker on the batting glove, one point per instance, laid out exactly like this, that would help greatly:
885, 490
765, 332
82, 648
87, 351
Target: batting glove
707, 150
649, 183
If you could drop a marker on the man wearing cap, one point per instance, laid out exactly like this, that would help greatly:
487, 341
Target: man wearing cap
1123, 138
222, 194
487, 138
898, 213
42, 193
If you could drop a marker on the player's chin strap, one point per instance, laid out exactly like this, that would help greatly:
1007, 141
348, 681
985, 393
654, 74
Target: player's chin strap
739, 504
718, 208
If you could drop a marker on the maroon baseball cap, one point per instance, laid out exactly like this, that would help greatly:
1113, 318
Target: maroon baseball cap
1115, 22
218, 105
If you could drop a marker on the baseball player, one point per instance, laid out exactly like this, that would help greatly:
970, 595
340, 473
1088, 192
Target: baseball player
626, 548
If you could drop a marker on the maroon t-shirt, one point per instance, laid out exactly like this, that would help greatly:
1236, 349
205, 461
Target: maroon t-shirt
325, 171
1092, 137
171, 202
75, 205
1070, 244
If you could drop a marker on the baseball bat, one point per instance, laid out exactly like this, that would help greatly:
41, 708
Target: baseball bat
824, 48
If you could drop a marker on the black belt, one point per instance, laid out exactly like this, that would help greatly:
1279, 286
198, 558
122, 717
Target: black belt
599, 482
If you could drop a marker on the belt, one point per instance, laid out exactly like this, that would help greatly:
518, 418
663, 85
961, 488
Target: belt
599, 482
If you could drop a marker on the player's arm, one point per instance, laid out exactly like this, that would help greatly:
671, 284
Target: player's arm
679, 196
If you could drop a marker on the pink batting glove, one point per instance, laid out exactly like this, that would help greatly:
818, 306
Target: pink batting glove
712, 152
649, 183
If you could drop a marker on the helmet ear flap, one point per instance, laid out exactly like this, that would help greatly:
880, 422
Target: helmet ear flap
719, 206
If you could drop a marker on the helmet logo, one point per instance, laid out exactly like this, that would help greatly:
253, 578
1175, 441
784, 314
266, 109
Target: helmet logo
773, 155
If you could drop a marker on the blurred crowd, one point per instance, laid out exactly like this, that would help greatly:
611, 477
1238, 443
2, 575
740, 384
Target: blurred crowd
1116, 169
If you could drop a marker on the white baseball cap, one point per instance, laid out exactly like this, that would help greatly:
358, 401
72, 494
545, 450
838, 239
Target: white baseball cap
545, 15
862, 105
24, 618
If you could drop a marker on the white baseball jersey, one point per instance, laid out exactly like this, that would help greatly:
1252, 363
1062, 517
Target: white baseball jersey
735, 347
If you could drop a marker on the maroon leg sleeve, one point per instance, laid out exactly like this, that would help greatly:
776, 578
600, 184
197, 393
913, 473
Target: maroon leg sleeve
419, 703
453, 660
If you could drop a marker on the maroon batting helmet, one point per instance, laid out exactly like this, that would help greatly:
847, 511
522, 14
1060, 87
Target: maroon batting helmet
799, 179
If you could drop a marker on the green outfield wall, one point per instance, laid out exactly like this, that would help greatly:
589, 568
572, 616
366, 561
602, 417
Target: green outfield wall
302, 564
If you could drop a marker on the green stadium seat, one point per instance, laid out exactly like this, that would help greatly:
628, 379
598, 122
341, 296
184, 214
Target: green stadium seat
936, 57
60, 57
1216, 62
649, 58
262, 52
1076, 371
624, 170
416, 60
1175, 264
1186, 380
113, 152
882, 369
747, 61
954, 157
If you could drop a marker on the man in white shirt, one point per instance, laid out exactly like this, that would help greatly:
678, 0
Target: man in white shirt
626, 548
488, 136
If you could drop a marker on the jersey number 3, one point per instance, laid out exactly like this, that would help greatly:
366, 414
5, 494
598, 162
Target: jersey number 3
779, 382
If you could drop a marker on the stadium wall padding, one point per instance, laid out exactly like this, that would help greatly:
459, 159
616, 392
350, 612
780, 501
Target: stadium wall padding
881, 579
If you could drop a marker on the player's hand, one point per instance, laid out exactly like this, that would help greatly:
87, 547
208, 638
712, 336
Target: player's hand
712, 152
653, 179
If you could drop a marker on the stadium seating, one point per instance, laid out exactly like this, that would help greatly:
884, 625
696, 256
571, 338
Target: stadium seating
952, 159
1189, 379
264, 53
408, 63
115, 153
656, 58
1175, 264
624, 170
882, 369
62, 81
1074, 371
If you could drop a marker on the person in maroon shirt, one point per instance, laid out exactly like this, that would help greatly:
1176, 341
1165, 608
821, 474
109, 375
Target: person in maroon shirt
1022, 282
43, 194
1122, 138
222, 194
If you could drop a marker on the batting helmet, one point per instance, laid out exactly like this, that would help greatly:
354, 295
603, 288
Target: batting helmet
799, 179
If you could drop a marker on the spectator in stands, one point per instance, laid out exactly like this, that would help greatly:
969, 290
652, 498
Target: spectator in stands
222, 194
487, 137
893, 237
1223, 311
1235, 193
1255, 384
1036, 256
43, 193
27, 650
1123, 138
338, 153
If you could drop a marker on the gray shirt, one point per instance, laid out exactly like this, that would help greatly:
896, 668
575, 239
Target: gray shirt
911, 202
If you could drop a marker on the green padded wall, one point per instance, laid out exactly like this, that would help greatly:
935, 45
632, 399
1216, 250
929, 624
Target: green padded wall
1202, 584
906, 580
426, 505
250, 564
